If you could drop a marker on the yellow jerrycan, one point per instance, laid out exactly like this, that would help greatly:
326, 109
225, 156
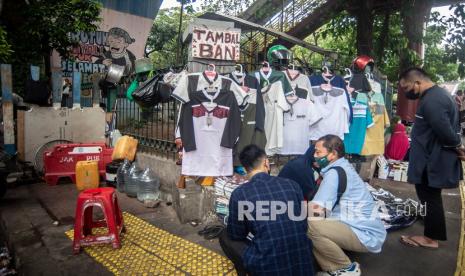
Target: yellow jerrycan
125, 148
87, 175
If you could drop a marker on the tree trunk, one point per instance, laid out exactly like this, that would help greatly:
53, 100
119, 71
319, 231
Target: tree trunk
384, 36
414, 16
365, 20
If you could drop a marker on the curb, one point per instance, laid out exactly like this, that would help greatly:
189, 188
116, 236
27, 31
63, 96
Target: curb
460, 271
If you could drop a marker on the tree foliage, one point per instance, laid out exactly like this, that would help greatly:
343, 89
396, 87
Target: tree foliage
5, 47
444, 44
228, 7
454, 35
36, 27
162, 43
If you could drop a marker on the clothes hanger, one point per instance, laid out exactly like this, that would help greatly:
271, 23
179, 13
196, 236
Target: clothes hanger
239, 73
266, 67
348, 73
210, 72
326, 72
292, 73
326, 75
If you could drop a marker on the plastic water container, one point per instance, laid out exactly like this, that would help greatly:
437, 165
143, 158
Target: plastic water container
149, 186
87, 175
121, 175
131, 184
125, 148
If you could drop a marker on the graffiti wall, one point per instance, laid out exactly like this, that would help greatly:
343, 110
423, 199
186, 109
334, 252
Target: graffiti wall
120, 40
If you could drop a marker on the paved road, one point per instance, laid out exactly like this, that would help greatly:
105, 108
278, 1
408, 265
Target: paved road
27, 214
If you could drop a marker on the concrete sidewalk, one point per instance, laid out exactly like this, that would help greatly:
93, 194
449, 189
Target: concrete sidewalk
28, 213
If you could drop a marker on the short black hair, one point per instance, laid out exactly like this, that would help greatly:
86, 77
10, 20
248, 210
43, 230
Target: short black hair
414, 72
251, 156
459, 93
333, 143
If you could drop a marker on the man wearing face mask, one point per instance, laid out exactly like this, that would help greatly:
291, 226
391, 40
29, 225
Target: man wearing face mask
341, 218
259, 238
435, 152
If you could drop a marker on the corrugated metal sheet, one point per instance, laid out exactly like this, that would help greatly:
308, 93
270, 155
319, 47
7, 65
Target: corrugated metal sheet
145, 8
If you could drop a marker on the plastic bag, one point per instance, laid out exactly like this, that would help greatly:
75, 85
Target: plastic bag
145, 95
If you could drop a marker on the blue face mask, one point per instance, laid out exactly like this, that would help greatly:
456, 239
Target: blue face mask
322, 161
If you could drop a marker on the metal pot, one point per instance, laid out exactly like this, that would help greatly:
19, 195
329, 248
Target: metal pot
115, 72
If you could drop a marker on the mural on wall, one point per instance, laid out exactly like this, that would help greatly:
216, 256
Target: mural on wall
117, 42
96, 50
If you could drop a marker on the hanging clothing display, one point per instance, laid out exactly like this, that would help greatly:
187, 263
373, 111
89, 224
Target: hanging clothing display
359, 82
334, 110
300, 84
374, 139
336, 81
275, 105
252, 116
302, 114
273, 76
209, 124
354, 140
182, 91
375, 86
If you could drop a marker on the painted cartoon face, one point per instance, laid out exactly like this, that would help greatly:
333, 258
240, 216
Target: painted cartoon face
117, 44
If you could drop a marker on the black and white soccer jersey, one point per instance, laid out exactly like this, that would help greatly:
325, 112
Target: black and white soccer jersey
209, 124
301, 85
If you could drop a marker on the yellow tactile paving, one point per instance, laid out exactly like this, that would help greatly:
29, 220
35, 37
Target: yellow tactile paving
148, 250
460, 271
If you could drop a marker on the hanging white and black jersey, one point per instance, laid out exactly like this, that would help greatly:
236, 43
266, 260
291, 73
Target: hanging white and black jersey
209, 126
300, 84
182, 91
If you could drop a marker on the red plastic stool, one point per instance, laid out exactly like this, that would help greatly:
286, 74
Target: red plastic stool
105, 198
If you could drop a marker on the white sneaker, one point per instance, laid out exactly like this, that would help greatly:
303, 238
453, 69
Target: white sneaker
352, 270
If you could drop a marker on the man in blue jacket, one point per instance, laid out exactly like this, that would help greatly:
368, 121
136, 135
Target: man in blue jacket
260, 238
435, 152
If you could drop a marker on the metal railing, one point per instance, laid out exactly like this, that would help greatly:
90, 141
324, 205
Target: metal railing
292, 14
153, 127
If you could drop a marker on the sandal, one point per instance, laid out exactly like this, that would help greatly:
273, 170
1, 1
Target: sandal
408, 241
212, 231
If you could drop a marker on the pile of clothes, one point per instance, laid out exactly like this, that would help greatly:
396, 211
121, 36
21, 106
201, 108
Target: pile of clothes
6, 262
224, 186
396, 213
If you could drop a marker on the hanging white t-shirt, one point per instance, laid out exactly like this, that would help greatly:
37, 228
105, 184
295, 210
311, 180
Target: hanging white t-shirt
334, 110
275, 104
302, 114
300, 84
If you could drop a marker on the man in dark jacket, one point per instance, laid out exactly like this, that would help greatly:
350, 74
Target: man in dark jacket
261, 239
301, 171
435, 152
